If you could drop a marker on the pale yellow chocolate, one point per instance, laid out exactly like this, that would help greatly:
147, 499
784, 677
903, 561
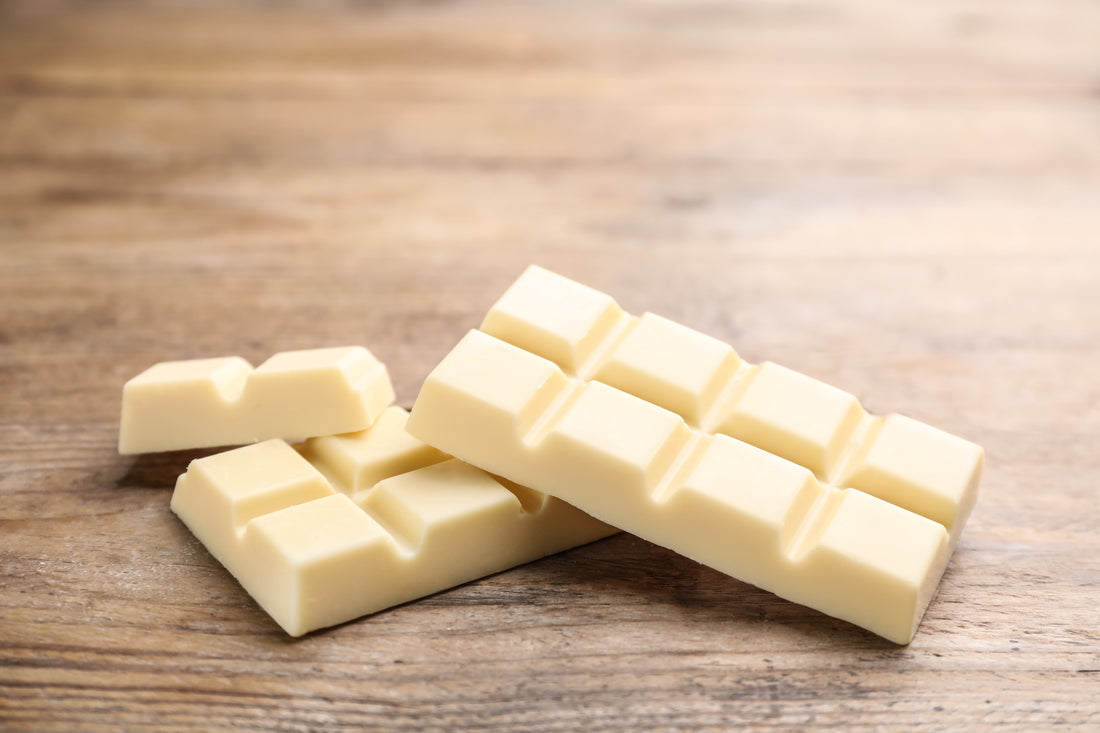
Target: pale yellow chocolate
737, 508
703, 380
211, 402
377, 519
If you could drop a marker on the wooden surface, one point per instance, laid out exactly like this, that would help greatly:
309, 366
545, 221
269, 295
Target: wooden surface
901, 199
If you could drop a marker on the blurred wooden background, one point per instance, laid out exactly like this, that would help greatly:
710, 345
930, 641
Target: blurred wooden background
902, 199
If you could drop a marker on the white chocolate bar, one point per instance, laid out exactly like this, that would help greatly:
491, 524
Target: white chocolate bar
703, 380
377, 519
737, 508
210, 402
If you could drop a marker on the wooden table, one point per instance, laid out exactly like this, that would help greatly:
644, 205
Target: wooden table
903, 201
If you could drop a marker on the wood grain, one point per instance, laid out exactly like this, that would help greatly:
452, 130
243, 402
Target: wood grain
902, 200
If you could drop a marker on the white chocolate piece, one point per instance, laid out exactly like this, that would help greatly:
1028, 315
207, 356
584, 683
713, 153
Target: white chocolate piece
715, 499
355, 462
796, 417
210, 402
703, 380
909, 462
315, 552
